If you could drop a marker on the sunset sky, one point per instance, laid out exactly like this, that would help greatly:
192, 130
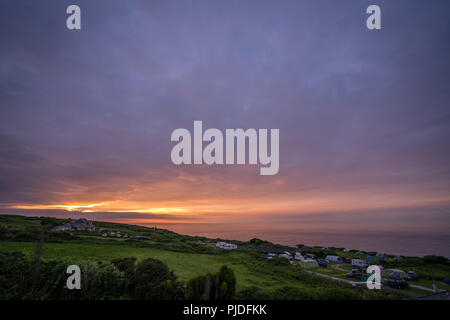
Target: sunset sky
364, 116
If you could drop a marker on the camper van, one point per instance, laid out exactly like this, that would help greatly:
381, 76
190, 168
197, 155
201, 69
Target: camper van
298, 256
333, 259
359, 263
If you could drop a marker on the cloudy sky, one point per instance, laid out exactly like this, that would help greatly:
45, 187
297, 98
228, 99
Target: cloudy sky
364, 116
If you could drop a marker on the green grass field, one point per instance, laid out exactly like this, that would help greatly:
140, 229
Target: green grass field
185, 265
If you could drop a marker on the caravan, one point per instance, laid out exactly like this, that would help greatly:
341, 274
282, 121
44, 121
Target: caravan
359, 263
333, 259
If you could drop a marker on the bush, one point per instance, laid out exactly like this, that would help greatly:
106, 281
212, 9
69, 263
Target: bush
105, 281
218, 286
278, 261
127, 267
154, 281
436, 260
195, 288
14, 276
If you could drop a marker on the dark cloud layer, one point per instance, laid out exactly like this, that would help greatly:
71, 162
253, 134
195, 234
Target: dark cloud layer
87, 115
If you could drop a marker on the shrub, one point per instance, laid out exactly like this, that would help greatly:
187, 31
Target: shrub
218, 286
105, 281
436, 260
14, 276
154, 281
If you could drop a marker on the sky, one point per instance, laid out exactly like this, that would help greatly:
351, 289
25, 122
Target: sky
86, 115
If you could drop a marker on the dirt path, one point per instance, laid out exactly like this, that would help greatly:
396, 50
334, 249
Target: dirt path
358, 283
339, 267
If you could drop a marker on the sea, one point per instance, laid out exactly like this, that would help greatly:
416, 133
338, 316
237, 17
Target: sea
389, 242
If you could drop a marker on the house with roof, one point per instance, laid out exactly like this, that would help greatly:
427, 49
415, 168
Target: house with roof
310, 256
76, 225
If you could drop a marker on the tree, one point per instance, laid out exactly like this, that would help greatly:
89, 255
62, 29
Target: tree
105, 282
195, 288
127, 267
154, 281
227, 282
14, 276
218, 286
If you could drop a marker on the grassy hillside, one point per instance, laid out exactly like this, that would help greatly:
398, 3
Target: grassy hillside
187, 256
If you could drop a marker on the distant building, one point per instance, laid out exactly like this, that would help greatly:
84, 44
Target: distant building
346, 250
226, 246
298, 256
77, 225
359, 263
286, 255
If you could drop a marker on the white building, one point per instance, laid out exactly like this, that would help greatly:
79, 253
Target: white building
359, 263
346, 250
298, 256
226, 246
286, 255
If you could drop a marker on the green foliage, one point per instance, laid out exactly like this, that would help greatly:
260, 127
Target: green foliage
218, 286
14, 275
436, 260
195, 288
252, 293
296, 293
105, 281
278, 261
227, 282
52, 282
259, 242
127, 267
154, 281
